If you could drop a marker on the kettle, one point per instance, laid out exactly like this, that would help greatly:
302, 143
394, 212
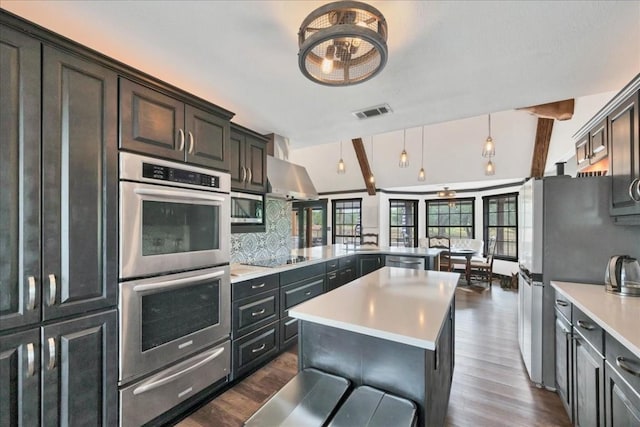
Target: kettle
623, 276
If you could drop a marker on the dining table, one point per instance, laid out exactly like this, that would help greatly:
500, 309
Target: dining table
467, 254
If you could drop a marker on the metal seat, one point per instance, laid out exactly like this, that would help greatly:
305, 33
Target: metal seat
309, 399
370, 407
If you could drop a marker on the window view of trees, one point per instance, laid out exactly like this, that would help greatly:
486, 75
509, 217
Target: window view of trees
450, 217
347, 221
501, 221
403, 230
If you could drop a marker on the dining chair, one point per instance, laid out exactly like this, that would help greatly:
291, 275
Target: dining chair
369, 239
442, 242
484, 268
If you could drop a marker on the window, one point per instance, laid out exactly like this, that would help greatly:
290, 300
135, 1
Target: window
501, 221
347, 214
451, 217
403, 216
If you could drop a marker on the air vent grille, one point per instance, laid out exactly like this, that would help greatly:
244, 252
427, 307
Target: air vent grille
369, 112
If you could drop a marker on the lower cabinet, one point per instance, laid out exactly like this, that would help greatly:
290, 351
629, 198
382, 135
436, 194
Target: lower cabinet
76, 362
369, 263
588, 379
255, 348
622, 401
564, 385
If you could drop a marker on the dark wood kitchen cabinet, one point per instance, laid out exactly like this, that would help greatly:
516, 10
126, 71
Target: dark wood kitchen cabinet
563, 339
622, 385
369, 263
588, 380
593, 147
157, 124
19, 180
248, 160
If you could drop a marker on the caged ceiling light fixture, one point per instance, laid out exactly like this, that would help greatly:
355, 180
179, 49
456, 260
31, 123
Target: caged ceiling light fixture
448, 194
341, 166
421, 173
404, 157
342, 43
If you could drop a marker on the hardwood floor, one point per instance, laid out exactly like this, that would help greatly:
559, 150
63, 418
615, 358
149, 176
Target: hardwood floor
490, 384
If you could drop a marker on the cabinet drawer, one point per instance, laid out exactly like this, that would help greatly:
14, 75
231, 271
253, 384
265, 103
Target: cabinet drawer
588, 329
252, 313
288, 331
298, 274
300, 292
247, 288
348, 261
333, 281
625, 363
563, 306
255, 348
332, 265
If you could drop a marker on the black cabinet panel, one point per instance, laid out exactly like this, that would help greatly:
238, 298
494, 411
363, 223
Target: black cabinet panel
19, 180
20, 379
240, 290
248, 160
79, 368
622, 401
255, 348
207, 139
564, 363
252, 313
299, 292
588, 380
256, 162
297, 274
288, 331
80, 198
369, 263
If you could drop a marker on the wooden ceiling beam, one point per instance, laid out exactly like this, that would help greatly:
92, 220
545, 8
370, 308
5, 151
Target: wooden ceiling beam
541, 147
361, 154
560, 110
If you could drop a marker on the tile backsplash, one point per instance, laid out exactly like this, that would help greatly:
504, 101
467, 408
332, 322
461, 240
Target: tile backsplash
274, 242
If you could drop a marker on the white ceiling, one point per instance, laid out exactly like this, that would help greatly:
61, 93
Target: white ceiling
448, 60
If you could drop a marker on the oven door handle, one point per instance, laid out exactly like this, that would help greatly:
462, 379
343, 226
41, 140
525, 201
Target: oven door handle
181, 195
162, 381
176, 282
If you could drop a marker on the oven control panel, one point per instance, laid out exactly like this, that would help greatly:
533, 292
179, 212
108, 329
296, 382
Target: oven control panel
167, 173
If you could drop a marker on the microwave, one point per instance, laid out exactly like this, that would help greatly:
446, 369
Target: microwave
247, 208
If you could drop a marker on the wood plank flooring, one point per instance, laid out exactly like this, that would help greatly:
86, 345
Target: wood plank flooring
490, 384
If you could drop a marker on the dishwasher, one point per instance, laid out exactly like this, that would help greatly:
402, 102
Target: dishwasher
416, 263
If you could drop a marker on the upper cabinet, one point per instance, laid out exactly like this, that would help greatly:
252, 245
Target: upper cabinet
159, 125
592, 147
248, 156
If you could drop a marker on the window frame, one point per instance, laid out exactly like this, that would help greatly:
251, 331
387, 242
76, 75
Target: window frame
471, 200
486, 200
358, 226
414, 205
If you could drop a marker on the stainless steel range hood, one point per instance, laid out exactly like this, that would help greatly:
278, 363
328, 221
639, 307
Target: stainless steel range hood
289, 181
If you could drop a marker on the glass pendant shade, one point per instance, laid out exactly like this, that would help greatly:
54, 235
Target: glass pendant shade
422, 175
404, 157
490, 168
489, 148
342, 168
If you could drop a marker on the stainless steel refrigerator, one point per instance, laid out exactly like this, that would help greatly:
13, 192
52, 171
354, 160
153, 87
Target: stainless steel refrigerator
564, 233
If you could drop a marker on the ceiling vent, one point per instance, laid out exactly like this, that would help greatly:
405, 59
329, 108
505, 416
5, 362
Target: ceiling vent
378, 110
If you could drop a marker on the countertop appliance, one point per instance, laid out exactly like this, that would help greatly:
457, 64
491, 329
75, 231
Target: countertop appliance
412, 262
247, 208
623, 276
564, 233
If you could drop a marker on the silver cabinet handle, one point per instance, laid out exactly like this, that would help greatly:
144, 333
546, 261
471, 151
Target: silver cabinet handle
244, 174
31, 300
52, 353
181, 134
178, 195
585, 325
621, 362
562, 303
250, 175
255, 350
165, 284
191, 143
52, 289
332, 276
31, 360
633, 197
307, 293
259, 312
261, 285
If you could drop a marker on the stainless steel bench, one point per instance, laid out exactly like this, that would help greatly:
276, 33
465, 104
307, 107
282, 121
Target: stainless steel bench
369, 407
309, 399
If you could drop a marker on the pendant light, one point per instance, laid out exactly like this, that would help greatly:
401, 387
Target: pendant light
404, 157
341, 166
372, 178
490, 168
421, 174
489, 149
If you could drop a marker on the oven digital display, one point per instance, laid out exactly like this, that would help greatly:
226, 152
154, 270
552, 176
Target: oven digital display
166, 173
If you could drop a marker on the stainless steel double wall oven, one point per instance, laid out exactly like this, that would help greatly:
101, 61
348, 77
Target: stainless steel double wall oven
174, 284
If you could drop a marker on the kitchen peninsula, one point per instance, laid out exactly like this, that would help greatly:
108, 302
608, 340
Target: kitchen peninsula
392, 329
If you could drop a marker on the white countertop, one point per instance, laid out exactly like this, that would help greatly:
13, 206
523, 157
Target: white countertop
397, 304
317, 254
618, 315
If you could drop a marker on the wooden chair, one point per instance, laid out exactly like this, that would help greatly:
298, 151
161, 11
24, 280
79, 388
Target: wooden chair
442, 242
369, 239
484, 268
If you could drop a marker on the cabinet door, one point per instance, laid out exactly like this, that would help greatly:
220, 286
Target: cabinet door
20, 379
623, 402
80, 372
151, 122
255, 160
588, 379
563, 364
598, 143
79, 203
207, 139
582, 151
236, 161
369, 263
19, 180
624, 146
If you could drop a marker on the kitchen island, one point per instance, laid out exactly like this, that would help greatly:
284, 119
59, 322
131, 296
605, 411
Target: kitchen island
392, 329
